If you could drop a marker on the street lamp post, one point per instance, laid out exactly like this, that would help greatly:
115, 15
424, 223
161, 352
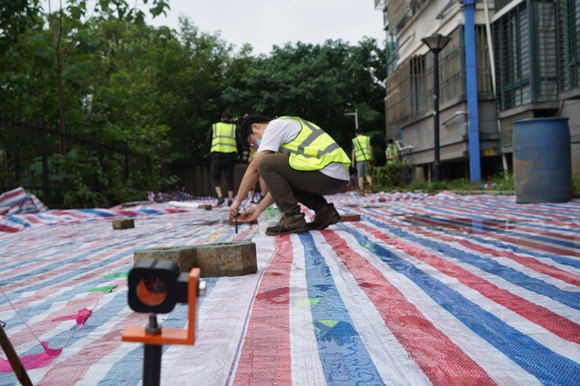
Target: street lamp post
436, 42
355, 118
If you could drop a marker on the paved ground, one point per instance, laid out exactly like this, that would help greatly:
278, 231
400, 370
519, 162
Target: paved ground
425, 289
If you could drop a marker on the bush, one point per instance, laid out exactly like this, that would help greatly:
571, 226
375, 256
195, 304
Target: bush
575, 184
391, 176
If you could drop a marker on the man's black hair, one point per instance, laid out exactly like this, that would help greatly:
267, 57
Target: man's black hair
227, 116
360, 130
389, 141
246, 126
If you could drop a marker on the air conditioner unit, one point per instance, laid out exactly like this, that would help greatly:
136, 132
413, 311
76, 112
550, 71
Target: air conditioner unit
402, 147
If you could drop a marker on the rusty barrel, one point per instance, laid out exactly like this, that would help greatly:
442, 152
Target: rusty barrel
542, 161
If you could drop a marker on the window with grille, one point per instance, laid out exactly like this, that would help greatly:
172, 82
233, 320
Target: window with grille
527, 61
545, 50
513, 59
569, 17
452, 67
418, 84
484, 82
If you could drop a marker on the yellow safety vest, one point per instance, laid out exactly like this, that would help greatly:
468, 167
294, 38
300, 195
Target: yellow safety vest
362, 148
313, 148
224, 138
390, 152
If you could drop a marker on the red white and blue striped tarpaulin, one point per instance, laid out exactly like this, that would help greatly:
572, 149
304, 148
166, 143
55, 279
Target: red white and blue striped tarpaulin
425, 289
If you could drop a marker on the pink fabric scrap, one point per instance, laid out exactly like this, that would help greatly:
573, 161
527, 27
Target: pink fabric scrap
32, 361
81, 317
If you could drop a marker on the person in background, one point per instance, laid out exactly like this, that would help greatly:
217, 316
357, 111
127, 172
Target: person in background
224, 151
362, 156
392, 152
309, 165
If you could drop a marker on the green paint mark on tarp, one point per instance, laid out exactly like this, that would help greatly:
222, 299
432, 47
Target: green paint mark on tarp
124, 274
330, 310
307, 302
328, 322
105, 290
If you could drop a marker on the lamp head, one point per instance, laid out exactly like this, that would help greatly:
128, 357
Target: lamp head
436, 42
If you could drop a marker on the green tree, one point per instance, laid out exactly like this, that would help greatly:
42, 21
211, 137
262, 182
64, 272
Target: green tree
319, 83
66, 23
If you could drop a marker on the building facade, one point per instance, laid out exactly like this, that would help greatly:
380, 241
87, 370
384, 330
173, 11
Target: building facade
527, 55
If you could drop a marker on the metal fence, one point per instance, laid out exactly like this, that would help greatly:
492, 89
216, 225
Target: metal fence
39, 157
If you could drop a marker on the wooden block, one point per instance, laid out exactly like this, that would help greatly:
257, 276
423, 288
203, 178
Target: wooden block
350, 217
382, 199
233, 222
205, 206
123, 223
222, 259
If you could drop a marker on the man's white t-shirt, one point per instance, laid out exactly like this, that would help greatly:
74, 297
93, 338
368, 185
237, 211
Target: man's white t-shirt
283, 131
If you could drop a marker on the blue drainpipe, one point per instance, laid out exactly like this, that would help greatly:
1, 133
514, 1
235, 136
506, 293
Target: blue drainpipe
471, 78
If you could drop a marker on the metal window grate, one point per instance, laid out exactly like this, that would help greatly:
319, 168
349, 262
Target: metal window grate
418, 84
484, 86
400, 11
513, 59
451, 68
569, 43
546, 44
527, 61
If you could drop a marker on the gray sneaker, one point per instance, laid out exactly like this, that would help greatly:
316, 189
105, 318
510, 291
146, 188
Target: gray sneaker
324, 218
288, 224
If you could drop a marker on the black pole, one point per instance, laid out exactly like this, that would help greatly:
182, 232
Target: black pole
126, 161
44, 157
19, 370
436, 163
152, 357
152, 364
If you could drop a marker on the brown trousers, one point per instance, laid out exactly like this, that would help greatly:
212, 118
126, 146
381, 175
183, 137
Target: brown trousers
289, 186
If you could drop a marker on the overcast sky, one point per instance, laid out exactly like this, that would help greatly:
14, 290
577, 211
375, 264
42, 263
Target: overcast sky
264, 23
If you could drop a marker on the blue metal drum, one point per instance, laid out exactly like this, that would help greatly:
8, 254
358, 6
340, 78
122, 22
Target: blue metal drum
542, 162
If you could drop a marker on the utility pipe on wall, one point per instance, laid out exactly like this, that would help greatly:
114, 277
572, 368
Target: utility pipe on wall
471, 83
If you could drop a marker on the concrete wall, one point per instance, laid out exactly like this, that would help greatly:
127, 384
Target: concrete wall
571, 109
488, 128
425, 23
453, 136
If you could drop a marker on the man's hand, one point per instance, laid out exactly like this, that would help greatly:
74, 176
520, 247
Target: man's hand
250, 215
234, 210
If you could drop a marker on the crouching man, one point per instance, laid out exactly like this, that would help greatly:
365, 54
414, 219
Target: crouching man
299, 162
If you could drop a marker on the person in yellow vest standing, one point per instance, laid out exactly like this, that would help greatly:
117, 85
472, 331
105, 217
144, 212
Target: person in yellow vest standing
362, 156
224, 151
309, 165
392, 152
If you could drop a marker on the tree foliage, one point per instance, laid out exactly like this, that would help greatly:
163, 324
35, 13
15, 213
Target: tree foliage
104, 73
317, 82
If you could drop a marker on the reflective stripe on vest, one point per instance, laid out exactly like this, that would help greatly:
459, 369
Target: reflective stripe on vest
224, 138
313, 148
362, 148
